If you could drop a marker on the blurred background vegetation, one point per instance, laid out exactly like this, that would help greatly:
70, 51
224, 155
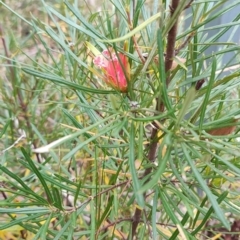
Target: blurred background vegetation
90, 182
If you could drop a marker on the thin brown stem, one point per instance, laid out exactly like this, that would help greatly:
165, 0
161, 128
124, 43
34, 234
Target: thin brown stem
151, 157
171, 40
188, 5
4, 195
136, 220
170, 53
113, 224
134, 38
187, 40
138, 50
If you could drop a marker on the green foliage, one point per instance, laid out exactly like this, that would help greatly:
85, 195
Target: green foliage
80, 160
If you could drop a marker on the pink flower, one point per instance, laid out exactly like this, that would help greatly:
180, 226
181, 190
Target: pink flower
114, 74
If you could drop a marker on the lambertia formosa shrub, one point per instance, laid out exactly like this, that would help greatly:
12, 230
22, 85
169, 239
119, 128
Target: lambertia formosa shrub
119, 120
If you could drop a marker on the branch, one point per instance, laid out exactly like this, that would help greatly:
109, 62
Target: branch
171, 39
170, 52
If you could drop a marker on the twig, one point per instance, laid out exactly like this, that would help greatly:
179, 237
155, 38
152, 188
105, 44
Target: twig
100, 193
228, 69
15, 143
188, 5
187, 40
114, 223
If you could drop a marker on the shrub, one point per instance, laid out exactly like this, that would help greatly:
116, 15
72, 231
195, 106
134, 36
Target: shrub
121, 125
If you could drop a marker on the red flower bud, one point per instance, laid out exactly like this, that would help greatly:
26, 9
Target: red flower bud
114, 74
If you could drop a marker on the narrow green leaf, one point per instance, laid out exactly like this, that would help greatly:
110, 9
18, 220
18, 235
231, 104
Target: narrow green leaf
93, 217
86, 23
34, 215
93, 33
151, 118
63, 230
15, 13
184, 186
220, 33
134, 31
70, 137
26, 188
224, 161
220, 107
154, 213
207, 95
26, 210
202, 183
184, 220
190, 95
132, 158
199, 212
43, 230
208, 214
220, 26
107, 211
61, 81
162, 161
120, 6
57, 199
5, 127
210, 19
140, 142
79, 186
39, 175
17, 204
107, 128
185, 201
170, 213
